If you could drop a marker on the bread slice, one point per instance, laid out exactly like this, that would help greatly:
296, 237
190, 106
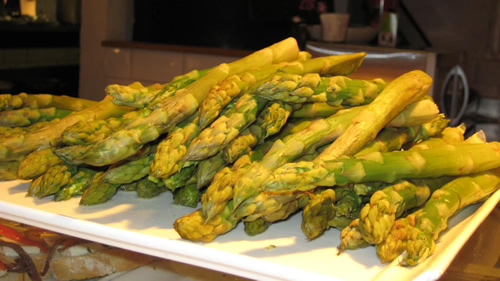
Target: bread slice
97, 264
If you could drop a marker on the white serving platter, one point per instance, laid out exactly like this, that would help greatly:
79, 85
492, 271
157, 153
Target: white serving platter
146, 225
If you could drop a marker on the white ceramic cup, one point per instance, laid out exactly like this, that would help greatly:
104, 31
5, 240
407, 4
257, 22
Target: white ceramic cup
334, 26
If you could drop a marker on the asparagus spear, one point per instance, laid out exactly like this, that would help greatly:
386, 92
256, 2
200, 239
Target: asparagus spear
220, 190
404, 90
8, 170
377, 217
364, 126
311, 87
77, 184
189, 195
138, 96
26, 116
98, 191
236, 85
52, 181
451, 160
9, 131
349, 198
287, 208
11, 102
267, 204
146, 188
445, 202
302, 142
317, 213
351, 237
274, 116
386, 205
226, 128
208, 168
269, 122
171, 111
195, 227
256, 227
37, 163
172, 149
242, 144
316, 110
246, 188
182, 176
18, 146
129, 171
85, 132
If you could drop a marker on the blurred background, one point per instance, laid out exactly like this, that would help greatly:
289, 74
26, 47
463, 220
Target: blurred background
77, 47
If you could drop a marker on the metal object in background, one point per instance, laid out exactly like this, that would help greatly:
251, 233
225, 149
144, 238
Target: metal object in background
454, 95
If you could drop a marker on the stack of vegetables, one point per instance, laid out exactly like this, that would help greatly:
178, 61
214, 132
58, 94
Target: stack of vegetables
256, 140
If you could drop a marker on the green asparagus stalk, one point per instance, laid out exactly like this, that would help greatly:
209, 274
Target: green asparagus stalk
298, 142
129, 171
221, 95
246, 188
37, 163
395, 243
18, 146
351, 237
372, 119
208, 168
189, 195
377, 217
444, 203
267, 204
274, 116
402, 91
11, 102
302, 142
348, 202
52, 181
9, 131
8, 170
86, 132
311, 87
450, 160
98, 191
195, 227
317, 213
172, 149
256, 227
183, 176
242, 144
148, 189
220, 190
226, 128
283, 212
26, 116
316, 110
349, 198
77, 184
138, 96
417, 113
395, 138
269, 122
168, 113
236, 85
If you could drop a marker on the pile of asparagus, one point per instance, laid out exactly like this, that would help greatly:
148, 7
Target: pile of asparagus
256, 140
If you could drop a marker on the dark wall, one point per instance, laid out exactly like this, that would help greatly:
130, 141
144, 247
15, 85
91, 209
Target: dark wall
238, 24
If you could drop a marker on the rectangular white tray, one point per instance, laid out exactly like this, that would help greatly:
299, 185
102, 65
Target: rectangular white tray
146, 225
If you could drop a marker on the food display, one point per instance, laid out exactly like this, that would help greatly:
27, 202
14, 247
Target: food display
274, 135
